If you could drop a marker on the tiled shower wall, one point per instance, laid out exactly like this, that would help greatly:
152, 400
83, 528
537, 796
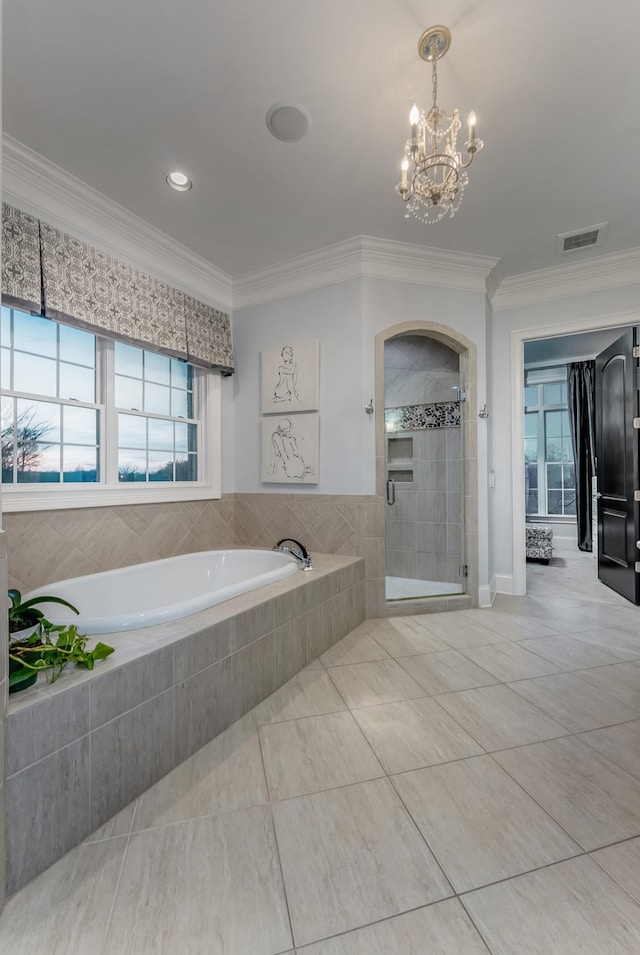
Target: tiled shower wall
424, 527
419, 370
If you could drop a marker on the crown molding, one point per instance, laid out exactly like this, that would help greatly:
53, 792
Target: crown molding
328, 266
363, 257
577, 278
494, 280
49, 192
406, 262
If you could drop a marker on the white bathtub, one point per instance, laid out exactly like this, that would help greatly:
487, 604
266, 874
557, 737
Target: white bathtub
162, 590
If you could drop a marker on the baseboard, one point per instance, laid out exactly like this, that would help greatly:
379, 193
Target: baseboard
504, 584
485, 596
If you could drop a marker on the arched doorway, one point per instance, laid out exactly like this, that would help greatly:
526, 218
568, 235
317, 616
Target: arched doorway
426, 453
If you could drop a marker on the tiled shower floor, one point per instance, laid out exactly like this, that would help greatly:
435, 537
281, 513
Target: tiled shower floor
403, 588
454, 783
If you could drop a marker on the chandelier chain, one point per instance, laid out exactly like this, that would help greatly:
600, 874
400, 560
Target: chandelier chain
434, 84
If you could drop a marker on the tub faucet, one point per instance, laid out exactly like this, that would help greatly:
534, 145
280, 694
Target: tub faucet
300, 554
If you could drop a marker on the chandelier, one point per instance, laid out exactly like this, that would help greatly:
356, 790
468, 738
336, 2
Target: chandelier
433, 171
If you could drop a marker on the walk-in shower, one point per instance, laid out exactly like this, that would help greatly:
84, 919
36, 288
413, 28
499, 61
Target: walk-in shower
424, 529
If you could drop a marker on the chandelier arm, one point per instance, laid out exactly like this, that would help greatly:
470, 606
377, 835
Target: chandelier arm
464, 165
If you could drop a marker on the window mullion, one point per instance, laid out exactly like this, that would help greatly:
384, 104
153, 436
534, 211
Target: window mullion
542, 456
109, 444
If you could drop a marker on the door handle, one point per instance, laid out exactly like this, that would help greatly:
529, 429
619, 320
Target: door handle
391, 491
598, 495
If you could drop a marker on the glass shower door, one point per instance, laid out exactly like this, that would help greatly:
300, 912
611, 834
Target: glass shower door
423, 462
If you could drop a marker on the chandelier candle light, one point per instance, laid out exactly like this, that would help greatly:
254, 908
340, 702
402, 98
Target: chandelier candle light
433, 171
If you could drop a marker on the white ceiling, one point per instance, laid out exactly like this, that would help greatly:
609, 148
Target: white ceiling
120, 91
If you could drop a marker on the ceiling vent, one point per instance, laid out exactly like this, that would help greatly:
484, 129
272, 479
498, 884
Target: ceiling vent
581, 238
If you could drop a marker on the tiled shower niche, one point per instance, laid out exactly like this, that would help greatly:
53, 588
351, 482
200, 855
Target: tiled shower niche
400, 459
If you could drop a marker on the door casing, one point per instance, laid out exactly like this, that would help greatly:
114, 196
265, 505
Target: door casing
517, 583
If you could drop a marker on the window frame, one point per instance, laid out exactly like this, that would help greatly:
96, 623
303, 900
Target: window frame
207, 411
545, 376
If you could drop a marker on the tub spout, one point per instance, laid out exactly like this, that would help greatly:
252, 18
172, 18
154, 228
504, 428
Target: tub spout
299, 552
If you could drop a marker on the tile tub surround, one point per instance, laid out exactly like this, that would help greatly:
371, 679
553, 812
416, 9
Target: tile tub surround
80, 750
340, 524
45, 546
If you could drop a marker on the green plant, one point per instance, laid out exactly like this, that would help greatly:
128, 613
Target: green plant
23, 615
48, 649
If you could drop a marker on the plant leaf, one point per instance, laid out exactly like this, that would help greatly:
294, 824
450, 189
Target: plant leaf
49, 600
18, 677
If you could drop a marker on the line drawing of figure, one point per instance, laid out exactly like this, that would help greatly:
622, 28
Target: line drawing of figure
286, 387
286, 455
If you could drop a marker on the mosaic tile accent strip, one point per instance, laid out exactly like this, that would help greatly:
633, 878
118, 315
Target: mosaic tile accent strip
442, 414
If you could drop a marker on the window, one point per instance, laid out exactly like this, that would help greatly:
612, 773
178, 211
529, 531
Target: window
84, 414
159, 442
52, 436
548, 453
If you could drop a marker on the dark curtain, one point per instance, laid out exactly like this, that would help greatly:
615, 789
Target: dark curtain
581, 379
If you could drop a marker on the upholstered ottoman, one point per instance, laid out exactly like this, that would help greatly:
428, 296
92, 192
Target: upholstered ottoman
539, 542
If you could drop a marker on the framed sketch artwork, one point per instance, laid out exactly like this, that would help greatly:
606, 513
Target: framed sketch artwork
290, 377
290, 449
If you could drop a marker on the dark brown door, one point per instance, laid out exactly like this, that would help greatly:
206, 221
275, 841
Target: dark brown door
617, 465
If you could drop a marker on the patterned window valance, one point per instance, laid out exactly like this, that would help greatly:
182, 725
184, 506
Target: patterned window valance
83, 286
21, 276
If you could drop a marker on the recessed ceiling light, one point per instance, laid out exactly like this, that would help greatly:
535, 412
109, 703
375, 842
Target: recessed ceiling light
178, 181
288, 122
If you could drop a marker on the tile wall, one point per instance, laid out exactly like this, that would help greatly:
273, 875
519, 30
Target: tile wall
45, 546
424, 527
351, 525
417, 373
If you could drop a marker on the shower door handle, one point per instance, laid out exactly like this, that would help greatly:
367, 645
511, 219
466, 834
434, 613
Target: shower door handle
391, 491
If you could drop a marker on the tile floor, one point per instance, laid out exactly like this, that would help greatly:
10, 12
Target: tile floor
452, 784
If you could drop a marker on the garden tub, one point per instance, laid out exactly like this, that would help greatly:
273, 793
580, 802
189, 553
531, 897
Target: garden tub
162, 590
